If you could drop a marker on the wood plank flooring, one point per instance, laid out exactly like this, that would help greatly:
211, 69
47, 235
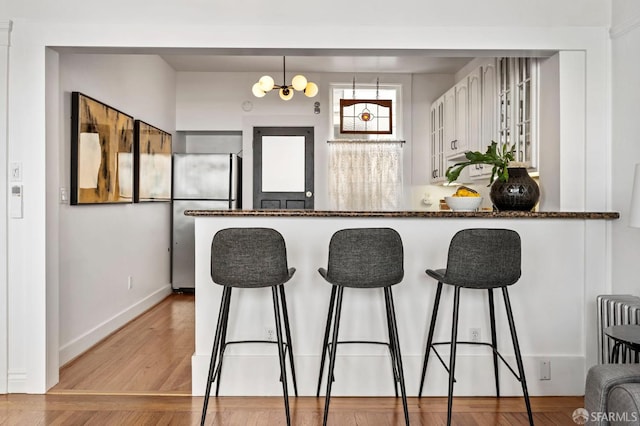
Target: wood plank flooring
141, 375
150, 355
268, 411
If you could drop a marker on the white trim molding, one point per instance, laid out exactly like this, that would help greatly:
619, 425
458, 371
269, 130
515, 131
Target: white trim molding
5, 30
626, 27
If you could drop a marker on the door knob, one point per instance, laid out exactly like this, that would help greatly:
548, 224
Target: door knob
308, 194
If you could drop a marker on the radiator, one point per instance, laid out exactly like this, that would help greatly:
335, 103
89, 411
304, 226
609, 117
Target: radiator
615, 310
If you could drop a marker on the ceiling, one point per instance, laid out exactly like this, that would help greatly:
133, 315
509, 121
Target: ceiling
322, 64
412, 61
403, 61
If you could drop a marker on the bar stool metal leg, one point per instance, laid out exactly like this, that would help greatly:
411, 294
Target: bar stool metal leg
223, 342
392, 352
332, 358
452, 358
281, 355
214, 352
396, 344
516, 348
432, 327
287, 330
494, 346
327, 332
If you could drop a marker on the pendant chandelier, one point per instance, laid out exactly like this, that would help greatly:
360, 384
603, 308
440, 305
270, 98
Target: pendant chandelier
299, 83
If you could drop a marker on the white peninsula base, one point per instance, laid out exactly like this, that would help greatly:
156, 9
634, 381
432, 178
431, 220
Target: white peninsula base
563, 270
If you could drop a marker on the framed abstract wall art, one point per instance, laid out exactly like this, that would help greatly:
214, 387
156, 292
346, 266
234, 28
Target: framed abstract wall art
101, 152
152, 163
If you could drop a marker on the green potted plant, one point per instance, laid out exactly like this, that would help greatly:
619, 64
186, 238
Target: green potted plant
497, 156
511, 186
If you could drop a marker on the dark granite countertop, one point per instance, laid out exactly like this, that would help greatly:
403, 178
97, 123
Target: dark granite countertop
408, 214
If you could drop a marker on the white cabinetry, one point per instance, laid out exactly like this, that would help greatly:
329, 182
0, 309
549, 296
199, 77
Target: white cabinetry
437, 140
518, 100
497, 101
449, 122
455, 120
475, 138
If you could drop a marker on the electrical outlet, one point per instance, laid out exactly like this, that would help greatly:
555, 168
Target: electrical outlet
129, 282
270, 334
545, 369
475, 334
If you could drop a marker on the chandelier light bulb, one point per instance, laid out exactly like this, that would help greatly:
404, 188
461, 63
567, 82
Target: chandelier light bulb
286, 93
266, 83
299, 82
311, 90
257, 91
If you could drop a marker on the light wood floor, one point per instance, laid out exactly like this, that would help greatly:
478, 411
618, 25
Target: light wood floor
141, 376
150, 355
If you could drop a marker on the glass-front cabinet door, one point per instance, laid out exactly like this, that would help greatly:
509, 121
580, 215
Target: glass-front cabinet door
517, 97
437, 141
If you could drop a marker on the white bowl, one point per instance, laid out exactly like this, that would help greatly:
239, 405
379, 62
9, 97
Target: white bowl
463, 204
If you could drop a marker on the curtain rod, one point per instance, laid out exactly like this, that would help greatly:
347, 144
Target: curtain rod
365, 140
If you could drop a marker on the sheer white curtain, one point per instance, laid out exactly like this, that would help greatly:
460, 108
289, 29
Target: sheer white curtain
365, 176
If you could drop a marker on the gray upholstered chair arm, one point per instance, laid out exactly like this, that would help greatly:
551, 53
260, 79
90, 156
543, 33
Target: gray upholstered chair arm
601, 379
624, 401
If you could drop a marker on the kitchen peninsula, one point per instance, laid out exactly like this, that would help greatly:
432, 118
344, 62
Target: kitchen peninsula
553, 304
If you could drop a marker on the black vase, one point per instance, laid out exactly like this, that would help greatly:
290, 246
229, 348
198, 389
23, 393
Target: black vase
519, 192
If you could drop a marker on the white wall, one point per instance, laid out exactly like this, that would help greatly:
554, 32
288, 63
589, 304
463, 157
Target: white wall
625, 142
548, 24
433, 13
549, 132
99, 246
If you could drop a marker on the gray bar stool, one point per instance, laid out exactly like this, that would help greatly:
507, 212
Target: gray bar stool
250, 258
363, 258
483, 259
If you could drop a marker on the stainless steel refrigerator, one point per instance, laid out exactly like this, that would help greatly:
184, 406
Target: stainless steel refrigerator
200, 182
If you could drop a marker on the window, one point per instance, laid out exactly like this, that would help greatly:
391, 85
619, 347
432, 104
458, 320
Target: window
365, 170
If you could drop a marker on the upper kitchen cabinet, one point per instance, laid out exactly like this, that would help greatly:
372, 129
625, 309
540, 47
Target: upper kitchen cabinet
497, 101
518, 102
456, 102
437, 141
475, 117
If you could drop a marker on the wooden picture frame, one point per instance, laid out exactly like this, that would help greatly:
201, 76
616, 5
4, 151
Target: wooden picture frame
152, 163
101, 153
366, 116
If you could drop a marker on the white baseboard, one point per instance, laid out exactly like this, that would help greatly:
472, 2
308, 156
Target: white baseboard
249, 375
87, 340
17, 382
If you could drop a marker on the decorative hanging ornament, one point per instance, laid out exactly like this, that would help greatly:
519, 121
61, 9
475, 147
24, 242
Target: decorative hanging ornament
365, 115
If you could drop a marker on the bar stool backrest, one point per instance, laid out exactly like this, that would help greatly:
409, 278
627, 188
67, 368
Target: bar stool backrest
365, 258
248, 257
484, 258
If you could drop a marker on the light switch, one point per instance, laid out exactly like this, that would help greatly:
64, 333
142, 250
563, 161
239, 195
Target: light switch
15, 172
64, 196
